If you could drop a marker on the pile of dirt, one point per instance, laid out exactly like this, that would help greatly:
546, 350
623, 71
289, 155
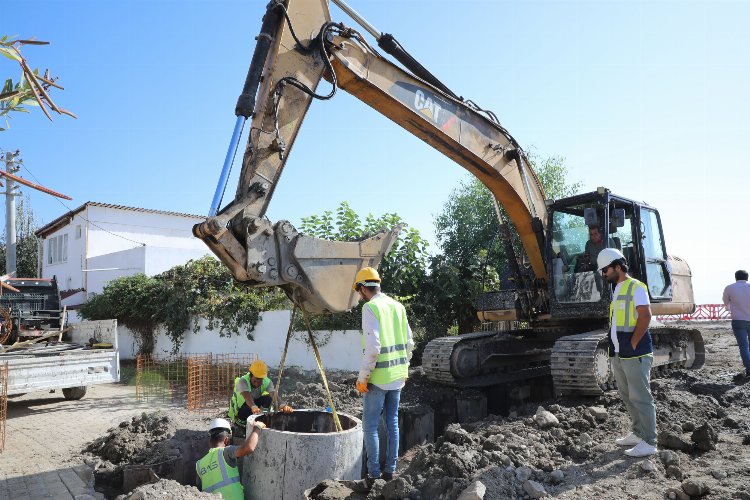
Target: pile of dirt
150, 445
167, 489
130, 438
566, 449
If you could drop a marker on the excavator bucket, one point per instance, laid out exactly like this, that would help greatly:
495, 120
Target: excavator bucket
329, 269
316, 274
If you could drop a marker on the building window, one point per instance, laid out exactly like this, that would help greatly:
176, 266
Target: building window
57, 249
78, 232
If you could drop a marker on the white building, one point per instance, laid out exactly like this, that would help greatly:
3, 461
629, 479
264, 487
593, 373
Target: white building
97, 242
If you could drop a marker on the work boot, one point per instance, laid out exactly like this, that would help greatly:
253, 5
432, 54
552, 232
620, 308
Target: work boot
369, 481
386, 476
629, 440
642, 449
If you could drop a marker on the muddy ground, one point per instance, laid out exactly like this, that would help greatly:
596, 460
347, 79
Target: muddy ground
561, 448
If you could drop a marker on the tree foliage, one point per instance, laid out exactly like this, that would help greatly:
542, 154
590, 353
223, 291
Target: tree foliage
176, 300
402, 269
27, 250
473, 253
31, 89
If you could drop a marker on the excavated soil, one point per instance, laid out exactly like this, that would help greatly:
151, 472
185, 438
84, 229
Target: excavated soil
561, 448
565, 448
167, 489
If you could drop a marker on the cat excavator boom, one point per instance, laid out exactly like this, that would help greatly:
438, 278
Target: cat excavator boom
558, 292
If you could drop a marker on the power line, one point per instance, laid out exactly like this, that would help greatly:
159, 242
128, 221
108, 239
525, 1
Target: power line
83, 217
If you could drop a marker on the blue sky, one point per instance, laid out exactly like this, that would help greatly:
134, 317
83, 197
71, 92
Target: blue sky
646, 98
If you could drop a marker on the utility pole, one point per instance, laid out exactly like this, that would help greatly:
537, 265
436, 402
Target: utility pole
11, 166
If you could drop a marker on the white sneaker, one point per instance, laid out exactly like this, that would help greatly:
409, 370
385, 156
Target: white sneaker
629, 440
642, 449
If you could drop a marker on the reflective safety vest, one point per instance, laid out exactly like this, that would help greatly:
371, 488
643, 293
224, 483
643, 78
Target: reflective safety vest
218, 476
238, 400
392, 363
623, 312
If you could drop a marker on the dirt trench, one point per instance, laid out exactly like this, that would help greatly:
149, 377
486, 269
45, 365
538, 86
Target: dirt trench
559, 448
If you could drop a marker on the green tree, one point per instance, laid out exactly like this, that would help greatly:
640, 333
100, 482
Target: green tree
402, 270
473, 255
178, 298
31, 89
27, 249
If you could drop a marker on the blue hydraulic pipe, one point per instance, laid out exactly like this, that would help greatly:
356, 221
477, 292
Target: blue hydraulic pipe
227, 166
246, 102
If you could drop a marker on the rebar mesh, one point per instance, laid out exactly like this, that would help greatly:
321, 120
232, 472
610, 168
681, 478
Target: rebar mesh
202, 382
161, 378
211, 380
3, 402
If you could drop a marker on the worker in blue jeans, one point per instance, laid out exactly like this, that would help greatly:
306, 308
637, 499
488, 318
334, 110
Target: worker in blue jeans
387, 346
737, 300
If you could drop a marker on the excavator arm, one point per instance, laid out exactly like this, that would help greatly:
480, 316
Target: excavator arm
297, 47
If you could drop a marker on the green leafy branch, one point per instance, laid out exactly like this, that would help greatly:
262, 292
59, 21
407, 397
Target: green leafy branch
178, 298
32, 89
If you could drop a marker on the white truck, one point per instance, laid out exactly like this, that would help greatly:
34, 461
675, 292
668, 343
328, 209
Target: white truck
70, 366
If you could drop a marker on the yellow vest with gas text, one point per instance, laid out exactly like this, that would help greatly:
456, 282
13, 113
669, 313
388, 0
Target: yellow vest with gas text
218, 476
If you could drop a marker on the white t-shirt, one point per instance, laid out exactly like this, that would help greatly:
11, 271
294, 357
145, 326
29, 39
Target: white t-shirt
641, 299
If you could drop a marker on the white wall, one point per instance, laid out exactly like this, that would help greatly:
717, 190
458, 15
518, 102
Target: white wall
69, 275
341, 351
133, 227
113, 239
160, 259
104, 268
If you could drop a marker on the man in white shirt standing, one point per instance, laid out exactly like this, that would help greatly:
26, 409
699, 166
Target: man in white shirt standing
387, 345
631, 351
737, 300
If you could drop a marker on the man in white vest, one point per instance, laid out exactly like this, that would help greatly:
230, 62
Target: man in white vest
387, 345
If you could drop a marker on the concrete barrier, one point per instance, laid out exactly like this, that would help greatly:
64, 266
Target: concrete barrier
299, 450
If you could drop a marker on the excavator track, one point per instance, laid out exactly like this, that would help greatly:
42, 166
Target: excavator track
580, 364
444, 357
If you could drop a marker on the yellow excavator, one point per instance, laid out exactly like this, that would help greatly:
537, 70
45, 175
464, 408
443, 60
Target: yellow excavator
559, 295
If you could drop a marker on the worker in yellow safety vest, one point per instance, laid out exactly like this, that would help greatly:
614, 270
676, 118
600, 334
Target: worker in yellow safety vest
631, 351
217, 470
253, 393
387, 345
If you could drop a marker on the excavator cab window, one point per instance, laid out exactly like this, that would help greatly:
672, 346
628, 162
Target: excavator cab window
658, 273
573, 267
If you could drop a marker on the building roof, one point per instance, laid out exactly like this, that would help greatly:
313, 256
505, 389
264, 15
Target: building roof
66, 218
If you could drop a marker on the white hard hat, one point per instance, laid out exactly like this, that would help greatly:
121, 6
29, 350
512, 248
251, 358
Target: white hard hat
607, 256
219, 423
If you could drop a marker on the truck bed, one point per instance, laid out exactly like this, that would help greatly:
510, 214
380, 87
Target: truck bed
60, 365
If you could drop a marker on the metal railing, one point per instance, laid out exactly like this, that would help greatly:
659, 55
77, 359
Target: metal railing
703, 312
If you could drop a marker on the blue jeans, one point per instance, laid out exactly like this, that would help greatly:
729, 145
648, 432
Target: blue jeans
376, 402
633, 378
741, 331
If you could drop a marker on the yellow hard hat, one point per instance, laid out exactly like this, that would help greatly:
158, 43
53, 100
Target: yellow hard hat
258, 369
366, 276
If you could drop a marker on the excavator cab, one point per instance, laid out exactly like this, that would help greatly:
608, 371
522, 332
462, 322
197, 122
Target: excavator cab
580, 227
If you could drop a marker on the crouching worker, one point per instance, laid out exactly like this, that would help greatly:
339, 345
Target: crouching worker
253, 393
217, 471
